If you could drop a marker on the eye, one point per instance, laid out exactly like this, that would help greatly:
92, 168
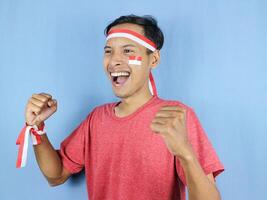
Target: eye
107, 51
128, 51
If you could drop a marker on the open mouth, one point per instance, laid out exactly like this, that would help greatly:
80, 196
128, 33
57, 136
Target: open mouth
119, 78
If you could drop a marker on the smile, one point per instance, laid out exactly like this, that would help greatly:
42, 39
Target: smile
119, 78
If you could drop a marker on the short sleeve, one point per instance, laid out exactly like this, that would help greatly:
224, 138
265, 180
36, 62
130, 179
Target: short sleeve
202, 147
72, 149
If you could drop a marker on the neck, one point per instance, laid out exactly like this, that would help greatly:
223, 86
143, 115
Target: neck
130, 104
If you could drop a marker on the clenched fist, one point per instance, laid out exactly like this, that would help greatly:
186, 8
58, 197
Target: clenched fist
39, 108
170, 123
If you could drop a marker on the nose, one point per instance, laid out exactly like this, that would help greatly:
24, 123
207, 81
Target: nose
116, 60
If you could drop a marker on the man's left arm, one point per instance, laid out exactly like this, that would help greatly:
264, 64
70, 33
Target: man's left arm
170, 123
200, 186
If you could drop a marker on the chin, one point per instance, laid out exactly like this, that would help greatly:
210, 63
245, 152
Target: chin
121, 94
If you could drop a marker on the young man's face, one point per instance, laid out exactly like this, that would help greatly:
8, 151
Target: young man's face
126, 79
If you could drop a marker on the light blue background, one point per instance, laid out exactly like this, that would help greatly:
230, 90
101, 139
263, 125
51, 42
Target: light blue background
214, 60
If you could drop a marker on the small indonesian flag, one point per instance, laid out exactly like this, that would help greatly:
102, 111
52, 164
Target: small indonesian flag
135, 60
23, 142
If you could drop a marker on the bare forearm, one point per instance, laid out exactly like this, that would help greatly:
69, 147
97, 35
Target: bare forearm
48, 159
200, 187
39, 108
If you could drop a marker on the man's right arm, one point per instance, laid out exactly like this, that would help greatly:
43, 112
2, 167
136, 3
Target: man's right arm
50, 163
39, 108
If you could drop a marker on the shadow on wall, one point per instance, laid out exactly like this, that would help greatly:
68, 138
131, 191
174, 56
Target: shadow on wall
77, 179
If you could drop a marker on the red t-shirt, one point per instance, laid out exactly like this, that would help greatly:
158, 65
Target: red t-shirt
124, 160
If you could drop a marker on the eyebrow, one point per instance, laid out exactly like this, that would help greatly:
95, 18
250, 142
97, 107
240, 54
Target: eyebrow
107, 47
127, 45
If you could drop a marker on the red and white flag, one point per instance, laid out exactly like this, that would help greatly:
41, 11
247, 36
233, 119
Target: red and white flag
23, 142
135, 60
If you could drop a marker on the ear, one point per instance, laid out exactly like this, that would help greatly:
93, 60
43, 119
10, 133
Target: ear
154, 59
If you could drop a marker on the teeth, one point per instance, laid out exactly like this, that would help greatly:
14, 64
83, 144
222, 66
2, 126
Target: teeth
116, 74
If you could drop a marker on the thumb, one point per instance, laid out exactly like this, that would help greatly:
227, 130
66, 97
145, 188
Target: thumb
52, 103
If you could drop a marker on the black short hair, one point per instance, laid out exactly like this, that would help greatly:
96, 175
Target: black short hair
149, 24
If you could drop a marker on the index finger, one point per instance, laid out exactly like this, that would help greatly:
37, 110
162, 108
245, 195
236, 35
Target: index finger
41, 97
175, 108
47, 95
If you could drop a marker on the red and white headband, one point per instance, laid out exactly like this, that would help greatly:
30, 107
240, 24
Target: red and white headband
132, 35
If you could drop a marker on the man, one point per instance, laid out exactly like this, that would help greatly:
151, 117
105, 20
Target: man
142, 147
